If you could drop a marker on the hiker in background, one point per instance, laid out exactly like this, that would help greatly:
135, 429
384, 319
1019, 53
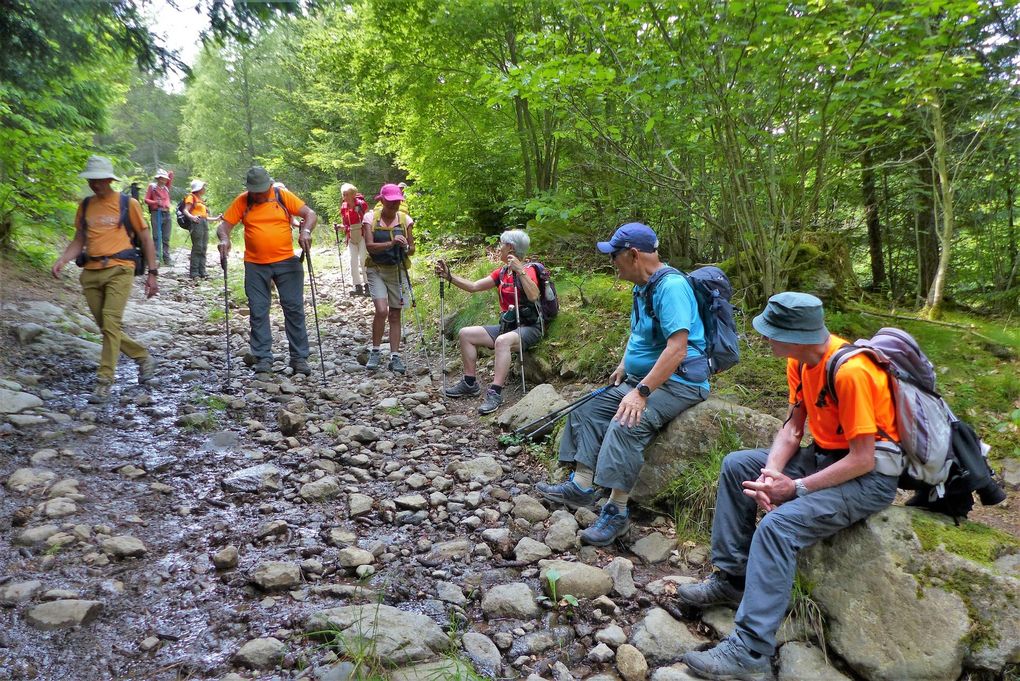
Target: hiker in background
157, 198
102, 246
389, 240
266, 212
502, 337
352, 212
196, 211
809, 493
662, 373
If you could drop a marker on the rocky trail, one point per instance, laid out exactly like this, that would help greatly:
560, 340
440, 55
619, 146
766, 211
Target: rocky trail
278, 526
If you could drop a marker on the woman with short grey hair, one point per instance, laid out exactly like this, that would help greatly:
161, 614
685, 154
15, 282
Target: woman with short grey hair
505, 337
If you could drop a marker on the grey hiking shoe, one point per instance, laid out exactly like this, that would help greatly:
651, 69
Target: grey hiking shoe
396, 364
491, 402
716, 590
101, 393
731, 659
300, 366
373, 360
146, 369
263, 366
462, 389
613, 522
567, 493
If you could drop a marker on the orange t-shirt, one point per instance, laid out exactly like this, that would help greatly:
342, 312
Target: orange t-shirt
104, 235
196, 206
865, 403
267, 230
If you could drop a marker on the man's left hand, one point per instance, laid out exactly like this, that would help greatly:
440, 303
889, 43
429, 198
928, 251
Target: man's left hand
632, 406
305, 240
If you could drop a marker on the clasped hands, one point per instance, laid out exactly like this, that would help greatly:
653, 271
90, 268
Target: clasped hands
770, 489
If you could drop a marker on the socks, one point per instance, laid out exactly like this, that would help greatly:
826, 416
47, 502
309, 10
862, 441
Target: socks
394, 355
620, 498
376, 348
583, 477
498, 389
469, 380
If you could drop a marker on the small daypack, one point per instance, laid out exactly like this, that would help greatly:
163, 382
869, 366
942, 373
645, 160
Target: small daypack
945, 461
360, 207
712, 292
134, 253
548, 303
183, 221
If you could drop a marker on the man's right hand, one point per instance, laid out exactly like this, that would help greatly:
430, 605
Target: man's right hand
618, 375
224, 248
57, 266
442, 270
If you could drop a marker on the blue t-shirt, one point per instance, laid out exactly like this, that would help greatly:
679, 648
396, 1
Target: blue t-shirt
677, 310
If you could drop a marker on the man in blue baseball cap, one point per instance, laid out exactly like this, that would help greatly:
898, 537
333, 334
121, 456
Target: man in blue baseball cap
661, 374
847, 473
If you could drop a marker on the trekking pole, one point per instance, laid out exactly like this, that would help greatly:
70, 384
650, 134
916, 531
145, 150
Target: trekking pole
402, 267
442, 330
520, 334
340, 258
528, 430
226, 314
307, 255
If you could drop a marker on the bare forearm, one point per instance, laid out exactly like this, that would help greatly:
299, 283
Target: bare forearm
223, 231
664, 367
73, 249
784, 445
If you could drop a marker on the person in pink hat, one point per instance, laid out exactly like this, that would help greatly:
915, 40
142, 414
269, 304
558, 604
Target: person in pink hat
389, 240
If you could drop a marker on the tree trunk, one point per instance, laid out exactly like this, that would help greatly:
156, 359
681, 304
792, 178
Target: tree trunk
1014, 256
933, 304
925, 237
872, 219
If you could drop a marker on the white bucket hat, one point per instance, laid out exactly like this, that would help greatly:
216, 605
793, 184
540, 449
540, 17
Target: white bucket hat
196, 185
162, 173
98, 168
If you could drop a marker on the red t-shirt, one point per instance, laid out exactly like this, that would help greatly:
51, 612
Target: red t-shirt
353, 215
506, 285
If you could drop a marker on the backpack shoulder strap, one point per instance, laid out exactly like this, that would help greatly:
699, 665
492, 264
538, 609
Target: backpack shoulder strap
82, 223
125, 219
834, 364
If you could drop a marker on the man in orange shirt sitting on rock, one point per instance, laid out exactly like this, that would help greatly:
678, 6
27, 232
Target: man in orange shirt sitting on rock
266, 212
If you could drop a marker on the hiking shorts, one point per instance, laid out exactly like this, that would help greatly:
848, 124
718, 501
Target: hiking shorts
530, 335
385, 283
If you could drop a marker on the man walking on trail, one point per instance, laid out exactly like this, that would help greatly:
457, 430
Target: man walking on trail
808, 493
662, 373
196, 211
157, 198
102, 226
389, 240
269, 258
352, 212
503, 338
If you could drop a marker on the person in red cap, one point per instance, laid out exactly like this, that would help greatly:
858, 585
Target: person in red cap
389, 240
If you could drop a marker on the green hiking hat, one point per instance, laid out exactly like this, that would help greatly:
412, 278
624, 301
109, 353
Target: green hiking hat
793, 317
258, 180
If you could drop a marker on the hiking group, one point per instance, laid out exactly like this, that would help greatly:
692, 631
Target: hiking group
681, 334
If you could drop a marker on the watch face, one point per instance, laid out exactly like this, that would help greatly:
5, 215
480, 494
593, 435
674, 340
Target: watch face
643, 390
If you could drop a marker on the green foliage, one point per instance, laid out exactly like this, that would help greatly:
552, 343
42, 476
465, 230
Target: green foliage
973, 541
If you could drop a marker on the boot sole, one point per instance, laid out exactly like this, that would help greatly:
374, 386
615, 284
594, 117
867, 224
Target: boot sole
748, 676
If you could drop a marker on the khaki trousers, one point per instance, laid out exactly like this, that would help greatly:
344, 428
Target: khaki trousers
106, 292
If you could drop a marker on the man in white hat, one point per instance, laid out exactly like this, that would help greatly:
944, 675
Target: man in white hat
196, 211
104, 227
157, 198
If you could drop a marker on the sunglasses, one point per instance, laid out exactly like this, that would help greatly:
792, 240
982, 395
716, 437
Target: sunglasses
615, 253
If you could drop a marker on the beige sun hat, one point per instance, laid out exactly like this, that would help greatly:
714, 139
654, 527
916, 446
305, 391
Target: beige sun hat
196, 185
162, 173
98, 168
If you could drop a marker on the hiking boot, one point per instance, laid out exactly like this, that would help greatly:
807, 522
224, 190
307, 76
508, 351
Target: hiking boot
611, 524
716, 590
168, 261
263, 366
357, 290
567, 493
101, 393
396, 364
731, 659
374, 360
462, 389
491, 402
300, 366
146, 369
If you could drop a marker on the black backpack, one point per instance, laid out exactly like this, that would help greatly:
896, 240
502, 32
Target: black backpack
183, 221
712, 291
133, 253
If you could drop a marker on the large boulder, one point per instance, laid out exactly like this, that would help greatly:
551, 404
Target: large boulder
540, 400
398, 637
693, 435
901, 604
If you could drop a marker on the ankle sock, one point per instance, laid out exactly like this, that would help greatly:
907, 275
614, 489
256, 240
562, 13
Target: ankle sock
376, 348
620, 498
394, 355
498, 389
583, 477
736, 581
469, 380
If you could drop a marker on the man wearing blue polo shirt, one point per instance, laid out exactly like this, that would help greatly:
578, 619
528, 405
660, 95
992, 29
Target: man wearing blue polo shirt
662, 373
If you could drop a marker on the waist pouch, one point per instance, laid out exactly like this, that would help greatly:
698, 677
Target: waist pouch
134, 254
694, 369
508, 319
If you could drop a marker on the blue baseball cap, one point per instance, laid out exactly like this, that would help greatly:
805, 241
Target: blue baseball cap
631, 235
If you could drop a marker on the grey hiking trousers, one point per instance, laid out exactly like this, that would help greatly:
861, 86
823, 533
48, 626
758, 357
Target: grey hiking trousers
289, 277
767, 554
592, 438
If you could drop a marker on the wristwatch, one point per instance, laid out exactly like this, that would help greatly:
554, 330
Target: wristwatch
802, 490
154, 272
643, 390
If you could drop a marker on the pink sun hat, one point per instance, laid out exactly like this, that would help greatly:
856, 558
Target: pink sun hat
390, 192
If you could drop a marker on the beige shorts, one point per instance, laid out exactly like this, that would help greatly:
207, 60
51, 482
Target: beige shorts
385, 282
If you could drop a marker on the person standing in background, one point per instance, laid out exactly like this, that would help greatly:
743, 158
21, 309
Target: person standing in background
157, 198
352, 211
197, 212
